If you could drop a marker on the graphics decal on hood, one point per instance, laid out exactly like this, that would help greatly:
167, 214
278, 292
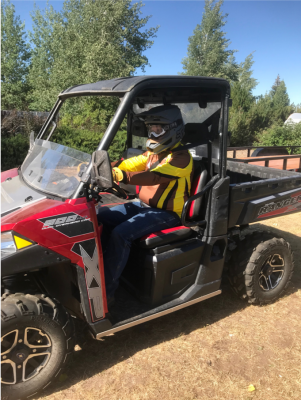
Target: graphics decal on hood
69, 224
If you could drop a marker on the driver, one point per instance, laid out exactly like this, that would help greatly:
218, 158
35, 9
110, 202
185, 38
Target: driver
165, 180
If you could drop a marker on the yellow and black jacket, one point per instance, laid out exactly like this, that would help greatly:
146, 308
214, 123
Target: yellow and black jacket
165, 178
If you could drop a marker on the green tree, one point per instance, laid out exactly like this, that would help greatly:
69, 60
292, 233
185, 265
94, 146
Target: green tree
245, 78
275, 85
239, 121
281, 102
285, 135
249, 116
208, 53
296, 108
86, 42
281, 98
15, 56
241, 116
242, 99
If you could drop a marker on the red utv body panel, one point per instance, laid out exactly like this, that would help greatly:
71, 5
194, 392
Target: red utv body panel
66, 228
11, 173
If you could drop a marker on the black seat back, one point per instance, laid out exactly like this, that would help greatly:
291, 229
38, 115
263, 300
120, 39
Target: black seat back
199, 181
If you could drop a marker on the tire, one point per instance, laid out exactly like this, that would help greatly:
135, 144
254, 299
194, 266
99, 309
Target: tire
260, 267
32, 325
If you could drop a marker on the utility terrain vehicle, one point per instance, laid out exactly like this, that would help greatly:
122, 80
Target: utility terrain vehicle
52, 264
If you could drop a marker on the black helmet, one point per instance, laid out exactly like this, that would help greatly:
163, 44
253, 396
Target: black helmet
169, 127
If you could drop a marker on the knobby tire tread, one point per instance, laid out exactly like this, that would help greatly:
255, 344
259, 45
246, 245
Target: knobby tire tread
244, 253
28, 305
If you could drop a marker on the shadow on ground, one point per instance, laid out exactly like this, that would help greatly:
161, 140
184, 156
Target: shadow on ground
97, 356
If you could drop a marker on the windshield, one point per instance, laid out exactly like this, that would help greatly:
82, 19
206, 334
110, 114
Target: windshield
54, 168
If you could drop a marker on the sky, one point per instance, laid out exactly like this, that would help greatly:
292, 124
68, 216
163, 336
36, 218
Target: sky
270, 29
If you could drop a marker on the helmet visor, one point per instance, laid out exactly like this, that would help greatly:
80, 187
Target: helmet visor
155, 131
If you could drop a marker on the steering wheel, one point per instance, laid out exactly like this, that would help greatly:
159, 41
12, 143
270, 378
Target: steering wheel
101, 174
120, 192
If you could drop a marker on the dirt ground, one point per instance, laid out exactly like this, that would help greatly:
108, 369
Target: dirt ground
212, 350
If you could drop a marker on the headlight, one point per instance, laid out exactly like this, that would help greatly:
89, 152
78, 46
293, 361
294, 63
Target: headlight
7, 244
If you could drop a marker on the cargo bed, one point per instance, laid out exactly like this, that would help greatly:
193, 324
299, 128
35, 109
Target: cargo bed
258, 193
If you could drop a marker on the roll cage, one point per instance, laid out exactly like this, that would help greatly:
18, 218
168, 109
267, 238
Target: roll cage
153, 89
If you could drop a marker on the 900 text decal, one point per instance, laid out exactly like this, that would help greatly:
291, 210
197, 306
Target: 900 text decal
69, 224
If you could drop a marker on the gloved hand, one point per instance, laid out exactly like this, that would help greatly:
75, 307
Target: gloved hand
82, 167
117, 174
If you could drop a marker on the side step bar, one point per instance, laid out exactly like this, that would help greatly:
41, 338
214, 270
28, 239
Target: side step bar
157, 315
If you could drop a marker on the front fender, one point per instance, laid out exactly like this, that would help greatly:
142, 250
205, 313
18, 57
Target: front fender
30, 258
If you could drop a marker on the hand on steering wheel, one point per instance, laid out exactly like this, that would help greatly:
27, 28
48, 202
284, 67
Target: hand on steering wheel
82, 167
117, 174
122, 193
118, 177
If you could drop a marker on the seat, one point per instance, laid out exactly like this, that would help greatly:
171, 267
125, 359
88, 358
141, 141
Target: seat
178, 233
199, 181
165, 236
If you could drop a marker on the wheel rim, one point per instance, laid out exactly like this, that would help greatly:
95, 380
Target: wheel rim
271, 273
24, 353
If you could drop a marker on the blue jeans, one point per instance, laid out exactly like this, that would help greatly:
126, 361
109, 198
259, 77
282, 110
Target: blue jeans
121, 226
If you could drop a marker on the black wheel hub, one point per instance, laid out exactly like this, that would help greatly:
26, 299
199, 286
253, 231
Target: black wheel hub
19, 354
271, 273
24, 353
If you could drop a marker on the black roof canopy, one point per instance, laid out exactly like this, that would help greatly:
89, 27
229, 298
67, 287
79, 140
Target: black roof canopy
120, 86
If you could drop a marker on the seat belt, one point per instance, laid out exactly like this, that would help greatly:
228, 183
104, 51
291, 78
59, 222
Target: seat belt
158, 162
209, 149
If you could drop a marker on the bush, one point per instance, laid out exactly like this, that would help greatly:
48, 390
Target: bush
14, 122
88, 141
15, 148
82, 131
15, 130
13, 151
83, 123
286, 135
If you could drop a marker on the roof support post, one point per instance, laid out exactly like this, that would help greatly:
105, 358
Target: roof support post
223, 155
50, 117
116, 121
110, 132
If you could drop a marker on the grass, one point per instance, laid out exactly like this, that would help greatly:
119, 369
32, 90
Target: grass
212, 350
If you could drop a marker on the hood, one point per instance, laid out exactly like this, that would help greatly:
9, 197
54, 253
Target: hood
15, 194
9, 174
